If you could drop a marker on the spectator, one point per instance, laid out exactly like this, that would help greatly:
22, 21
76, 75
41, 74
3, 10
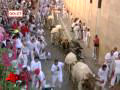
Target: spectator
96, 47
76, 31
116, 52
116, 76
103, 76
88, 36
109, 59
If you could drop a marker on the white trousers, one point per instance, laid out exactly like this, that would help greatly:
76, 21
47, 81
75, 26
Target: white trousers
54, 80
76, 34
52, 37
102, 85
110, 65
25, 59
115, 79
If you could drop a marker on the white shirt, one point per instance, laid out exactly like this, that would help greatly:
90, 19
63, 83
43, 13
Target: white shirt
103, 74
4, 42
43, 39
25, 50
117, 66
115, 55
46, 11
35, 65
54, 68
35, 45
108, 58
76, 28
78, 21
32, 26
73, 25
18, 43
41, 45
88, 34
40, 31
84, 27
42, 55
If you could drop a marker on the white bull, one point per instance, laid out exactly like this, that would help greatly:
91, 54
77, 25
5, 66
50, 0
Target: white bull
81, 75
56, 34
70, 60
50, 21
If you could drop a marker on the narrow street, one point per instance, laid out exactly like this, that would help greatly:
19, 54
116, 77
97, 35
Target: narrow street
59, 54
29, 30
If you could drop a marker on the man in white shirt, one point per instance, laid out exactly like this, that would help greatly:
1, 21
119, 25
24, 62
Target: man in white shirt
73, 25
40, 31
35, 64
57, 73
116, 52
84, 31
42, 56
34, 45
109, 59
25, 52
102, 76
41, 45
18, 42
32, 25
116, 76
87, 40
43, 40
76, 31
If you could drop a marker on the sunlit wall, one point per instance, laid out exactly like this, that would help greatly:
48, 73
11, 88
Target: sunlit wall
104, 21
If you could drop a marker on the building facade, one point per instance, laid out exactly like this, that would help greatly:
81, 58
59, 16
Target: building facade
102, 16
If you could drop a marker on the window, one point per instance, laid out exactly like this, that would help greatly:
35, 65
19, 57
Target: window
99, 3
91, 1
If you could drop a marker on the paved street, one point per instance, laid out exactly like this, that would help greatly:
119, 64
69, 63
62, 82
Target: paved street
30, 23
59, 53
87, 52
56, 53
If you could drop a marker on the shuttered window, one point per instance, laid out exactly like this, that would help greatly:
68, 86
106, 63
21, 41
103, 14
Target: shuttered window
99, 3
91, 1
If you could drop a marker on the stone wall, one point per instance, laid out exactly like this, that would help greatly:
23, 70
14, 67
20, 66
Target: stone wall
104, 21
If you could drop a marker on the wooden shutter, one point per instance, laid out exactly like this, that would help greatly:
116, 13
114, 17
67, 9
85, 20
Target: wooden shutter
91, 1
99, 3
